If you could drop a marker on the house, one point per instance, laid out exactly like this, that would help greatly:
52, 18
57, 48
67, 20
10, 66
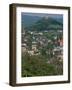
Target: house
58, 50
24, 45
23, 33
25, 40
34, 47
31, 52
60, 58
45, 31
23, 49
49, 41
60, 31
31, 32
60, 42
55, 37
40, 33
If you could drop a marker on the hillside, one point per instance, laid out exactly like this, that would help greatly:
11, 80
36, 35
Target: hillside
45, 24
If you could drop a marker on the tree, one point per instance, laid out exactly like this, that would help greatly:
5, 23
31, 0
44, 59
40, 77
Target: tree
43, 51
36, 66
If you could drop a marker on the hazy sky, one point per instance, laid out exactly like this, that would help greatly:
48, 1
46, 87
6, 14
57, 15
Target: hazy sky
43, 15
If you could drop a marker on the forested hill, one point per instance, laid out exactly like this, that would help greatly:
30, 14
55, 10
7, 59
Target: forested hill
45, 24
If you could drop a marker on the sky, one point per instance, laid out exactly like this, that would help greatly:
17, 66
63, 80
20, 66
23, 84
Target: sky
43, 15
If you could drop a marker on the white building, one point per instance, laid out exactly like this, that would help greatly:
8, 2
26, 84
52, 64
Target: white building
34, 47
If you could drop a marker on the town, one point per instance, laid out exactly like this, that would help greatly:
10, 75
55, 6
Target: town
47, 42
42, 53
42, 45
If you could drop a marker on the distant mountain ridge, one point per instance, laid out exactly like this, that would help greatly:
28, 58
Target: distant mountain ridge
29, 19
41, 23
46, 24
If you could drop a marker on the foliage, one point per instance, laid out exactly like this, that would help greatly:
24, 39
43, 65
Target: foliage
45, 24
37, 66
